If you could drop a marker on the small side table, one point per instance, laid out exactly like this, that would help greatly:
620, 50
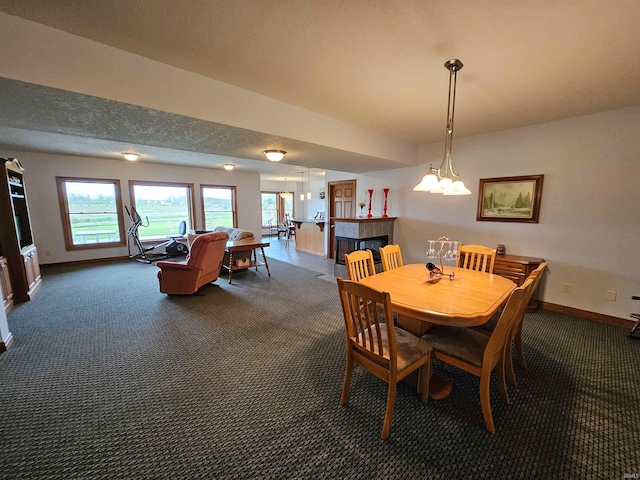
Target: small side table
246, 244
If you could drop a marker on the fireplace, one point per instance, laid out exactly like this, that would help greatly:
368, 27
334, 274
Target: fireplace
347, 245
353, 234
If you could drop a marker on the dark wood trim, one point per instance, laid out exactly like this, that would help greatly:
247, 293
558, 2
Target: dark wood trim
535, 201
332, 214
189, 186
234, 195
279, 207
596, 317
64, 212
10, 245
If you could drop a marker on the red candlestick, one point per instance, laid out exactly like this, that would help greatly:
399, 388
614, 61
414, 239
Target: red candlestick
370, 194
386, 192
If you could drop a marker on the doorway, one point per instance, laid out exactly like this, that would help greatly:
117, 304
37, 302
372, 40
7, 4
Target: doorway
342, 204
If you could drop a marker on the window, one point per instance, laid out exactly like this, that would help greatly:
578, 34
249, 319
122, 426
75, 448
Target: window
91, 212
218, 206
274, 207
287, 205
270, 214
161, 206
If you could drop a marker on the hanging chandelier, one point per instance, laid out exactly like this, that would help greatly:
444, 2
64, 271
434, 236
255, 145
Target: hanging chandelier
444, 180
302, 186
285, 194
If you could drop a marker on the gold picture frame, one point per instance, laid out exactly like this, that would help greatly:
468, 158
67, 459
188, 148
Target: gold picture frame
510, 199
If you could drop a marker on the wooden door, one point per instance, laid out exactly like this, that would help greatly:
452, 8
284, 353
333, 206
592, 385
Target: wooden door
342, 204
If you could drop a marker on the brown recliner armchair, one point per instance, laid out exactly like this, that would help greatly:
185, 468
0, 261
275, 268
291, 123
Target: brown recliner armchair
201, 266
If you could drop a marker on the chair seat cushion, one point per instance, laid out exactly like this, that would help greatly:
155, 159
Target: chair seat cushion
492, 322
410, 348
463, 343
488, 327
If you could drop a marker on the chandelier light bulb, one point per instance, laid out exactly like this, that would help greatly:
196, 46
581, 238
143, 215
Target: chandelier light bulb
285, 194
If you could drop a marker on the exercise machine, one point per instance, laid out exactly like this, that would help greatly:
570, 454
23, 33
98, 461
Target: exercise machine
172, 248
175, 248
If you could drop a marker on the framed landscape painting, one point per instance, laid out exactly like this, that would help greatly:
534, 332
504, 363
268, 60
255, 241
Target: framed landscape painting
510, 199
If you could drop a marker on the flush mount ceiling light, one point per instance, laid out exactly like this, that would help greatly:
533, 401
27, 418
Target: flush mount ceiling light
444, 180
228, 166
132, 157
274, 155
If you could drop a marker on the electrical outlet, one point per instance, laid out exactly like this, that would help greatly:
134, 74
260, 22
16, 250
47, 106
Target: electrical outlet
612, 295
48, 252
566, 288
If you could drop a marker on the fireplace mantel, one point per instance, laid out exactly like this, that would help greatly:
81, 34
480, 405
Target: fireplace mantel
363, 220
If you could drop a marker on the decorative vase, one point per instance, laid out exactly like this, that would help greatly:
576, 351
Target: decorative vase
386, 193
370, 195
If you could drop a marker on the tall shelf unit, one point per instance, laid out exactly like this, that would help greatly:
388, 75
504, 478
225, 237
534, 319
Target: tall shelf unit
20, 276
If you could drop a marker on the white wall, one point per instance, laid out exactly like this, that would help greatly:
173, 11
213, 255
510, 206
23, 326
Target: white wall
40, 182
589, 225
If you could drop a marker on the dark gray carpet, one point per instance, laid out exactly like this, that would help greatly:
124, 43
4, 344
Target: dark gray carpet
107, 378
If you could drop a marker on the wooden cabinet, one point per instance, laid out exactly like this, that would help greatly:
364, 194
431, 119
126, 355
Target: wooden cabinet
32, 269
5, 285
517, 269
16, 238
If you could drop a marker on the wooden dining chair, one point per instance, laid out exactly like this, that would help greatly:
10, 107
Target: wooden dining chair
516, 333
477, 257
480, 354
359, 264
391, 257
388, 352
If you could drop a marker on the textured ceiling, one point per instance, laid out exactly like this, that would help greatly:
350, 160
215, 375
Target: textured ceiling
379, 64
59, 121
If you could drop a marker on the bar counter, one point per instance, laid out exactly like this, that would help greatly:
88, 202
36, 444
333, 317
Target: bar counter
309, 235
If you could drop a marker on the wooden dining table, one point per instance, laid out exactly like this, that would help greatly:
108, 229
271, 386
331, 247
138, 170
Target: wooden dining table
469, 299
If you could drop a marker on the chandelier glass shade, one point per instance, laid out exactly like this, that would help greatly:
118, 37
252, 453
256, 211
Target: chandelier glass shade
285, 194
445, 180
